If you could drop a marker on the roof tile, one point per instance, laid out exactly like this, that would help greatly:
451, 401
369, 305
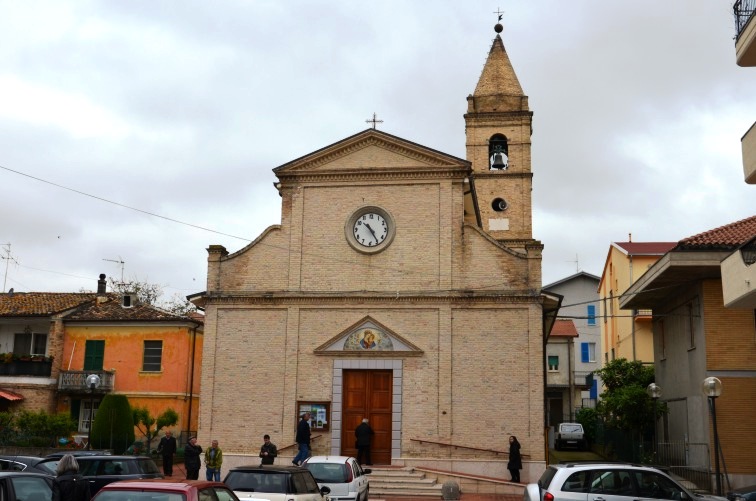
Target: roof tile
727, 237
564, 328
33, 304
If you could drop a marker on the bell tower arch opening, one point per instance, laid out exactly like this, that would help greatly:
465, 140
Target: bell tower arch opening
498, 152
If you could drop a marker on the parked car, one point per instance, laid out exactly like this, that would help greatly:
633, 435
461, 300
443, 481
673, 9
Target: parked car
274, 483
23, 486
342, 475
79, 452
609, 481
22, 463
103, 470
570, 434
165, 490
743, 494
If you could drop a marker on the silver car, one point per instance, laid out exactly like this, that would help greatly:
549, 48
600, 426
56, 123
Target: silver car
608, 482
346, 479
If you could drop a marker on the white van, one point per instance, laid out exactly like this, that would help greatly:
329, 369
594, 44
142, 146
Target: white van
570, 434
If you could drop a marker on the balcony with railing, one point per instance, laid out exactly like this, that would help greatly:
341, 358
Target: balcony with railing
643, 315
73, 382
745, 32
39, 367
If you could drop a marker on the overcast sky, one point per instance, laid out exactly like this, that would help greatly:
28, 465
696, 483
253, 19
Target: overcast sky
183, 108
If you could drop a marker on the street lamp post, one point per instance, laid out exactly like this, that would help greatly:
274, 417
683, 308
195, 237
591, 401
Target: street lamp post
654, 391
93, 381
712, 388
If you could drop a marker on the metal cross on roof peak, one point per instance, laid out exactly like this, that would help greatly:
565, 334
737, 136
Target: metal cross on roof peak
374, 120
499, 13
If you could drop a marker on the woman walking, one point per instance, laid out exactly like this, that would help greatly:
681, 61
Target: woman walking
69, 485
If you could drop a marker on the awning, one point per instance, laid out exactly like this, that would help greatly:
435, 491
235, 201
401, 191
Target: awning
9, 395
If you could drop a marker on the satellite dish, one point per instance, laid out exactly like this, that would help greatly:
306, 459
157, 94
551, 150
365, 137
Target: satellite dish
93, 381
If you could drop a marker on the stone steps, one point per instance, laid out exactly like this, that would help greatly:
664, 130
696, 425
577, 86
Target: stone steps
402, 482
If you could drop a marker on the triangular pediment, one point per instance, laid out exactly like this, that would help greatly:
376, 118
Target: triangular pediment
368, 337
372, 150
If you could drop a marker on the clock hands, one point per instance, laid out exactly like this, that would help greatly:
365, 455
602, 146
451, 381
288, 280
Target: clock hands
372, 232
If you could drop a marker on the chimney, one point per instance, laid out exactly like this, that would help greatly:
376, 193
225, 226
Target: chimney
101, 286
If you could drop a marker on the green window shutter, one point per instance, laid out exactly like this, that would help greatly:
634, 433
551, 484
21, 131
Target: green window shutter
94, 352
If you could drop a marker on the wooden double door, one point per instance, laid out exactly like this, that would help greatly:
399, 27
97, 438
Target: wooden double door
367, 394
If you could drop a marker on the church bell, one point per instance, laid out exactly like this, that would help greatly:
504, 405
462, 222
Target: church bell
498, 161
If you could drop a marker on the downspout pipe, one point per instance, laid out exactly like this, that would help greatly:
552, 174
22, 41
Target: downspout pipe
191, 381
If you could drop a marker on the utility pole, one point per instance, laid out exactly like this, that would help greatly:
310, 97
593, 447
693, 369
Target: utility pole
8, 258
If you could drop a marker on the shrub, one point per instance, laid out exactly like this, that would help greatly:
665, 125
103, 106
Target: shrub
113, 426
40, 429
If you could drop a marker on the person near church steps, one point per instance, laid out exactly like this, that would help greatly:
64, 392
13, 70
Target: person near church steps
303, 439
364, 435
515, 460
167, 449
268, 451
192, 452
213, 462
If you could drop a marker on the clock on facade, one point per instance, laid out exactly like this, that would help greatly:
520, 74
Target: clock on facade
370, 229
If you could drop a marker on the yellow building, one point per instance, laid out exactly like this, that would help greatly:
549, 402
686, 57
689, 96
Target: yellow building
626, 334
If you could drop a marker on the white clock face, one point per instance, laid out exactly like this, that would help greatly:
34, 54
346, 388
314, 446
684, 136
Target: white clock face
370, 229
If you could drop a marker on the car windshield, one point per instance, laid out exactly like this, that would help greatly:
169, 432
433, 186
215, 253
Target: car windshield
258, 481
572, 428
328, 472
147, 466
130, 495
51, 466
546, 477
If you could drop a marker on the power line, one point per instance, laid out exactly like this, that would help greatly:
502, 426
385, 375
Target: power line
123, 205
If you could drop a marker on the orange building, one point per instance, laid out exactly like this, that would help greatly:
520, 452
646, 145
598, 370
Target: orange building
151, 356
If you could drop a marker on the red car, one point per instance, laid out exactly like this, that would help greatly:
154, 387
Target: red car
165, 490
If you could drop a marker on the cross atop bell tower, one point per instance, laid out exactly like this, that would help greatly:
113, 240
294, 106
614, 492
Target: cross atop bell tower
498, 126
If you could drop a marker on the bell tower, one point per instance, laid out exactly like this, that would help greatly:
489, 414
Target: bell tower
498, 125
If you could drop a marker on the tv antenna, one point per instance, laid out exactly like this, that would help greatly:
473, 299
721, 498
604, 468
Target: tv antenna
577, 263
8, 258
119, 261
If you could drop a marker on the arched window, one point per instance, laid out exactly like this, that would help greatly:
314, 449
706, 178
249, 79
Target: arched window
498, 152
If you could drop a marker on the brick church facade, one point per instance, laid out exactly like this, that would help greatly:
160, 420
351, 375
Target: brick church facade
402, 285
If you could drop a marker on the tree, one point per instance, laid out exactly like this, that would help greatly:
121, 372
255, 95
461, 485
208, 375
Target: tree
625, 405
113, 427
178, 305
149, 426
146, 292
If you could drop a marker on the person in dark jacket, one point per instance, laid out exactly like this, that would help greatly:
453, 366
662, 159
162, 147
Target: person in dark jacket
69, 485
364, 435
303, 439
268, 451
192, 461
167, 449
515, 460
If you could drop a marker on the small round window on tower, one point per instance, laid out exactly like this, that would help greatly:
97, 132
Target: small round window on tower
499, 205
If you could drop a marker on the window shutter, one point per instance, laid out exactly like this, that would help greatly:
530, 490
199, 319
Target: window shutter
585, 355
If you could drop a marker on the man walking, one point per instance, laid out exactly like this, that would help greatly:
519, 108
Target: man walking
167, 449
268, 451
303, 439
213, 462
364, 434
